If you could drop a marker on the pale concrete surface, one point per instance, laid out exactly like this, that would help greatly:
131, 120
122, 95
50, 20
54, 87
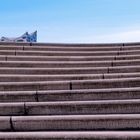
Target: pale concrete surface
56, 71
71, 108
33, 86
106, 83
9, 109
55, 64
77, 122
17, 96
76, 88
78, 135
5, 124
67, 77
89, 94
31, 78
83, 107
66, 53
57, 58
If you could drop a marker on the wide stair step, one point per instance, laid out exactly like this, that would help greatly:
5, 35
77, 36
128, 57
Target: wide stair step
71, 122
71, 107
76, 135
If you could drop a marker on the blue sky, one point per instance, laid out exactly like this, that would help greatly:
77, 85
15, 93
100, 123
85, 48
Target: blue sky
72, 21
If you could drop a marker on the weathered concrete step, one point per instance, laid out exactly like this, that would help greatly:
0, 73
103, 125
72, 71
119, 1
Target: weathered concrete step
71, 108
75, 53
78, 53
8, 109
31, 78
33, 86
57, 48
126, 62
57, 58
74, 122
86, 107
67, 58
70, 85
81, 95
18, 96
70, 95
61, 48
75, 135
58, 53
132, 47
70, 122
57, 64
129, 52
69, 44
69, 53
53, 64
106, 83
121, 75
56, 71
127, 57
69, 48
124, 69
11, 47
73, 70
5, 123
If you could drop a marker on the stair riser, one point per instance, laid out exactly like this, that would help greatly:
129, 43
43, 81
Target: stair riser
66, 85
92, 84
55, 65
49, 48
88, 123
62, 48
124, 69
18, 96
36, 53
68, 64
75, 123
62, 71
74, 58
5, 123
69, 53
48, 78
78, 95
54, 71
120, 107
105, 84
35, 86
70, 135
127, 57
66, 58
126, 63
33, 78
74, 109
83, 95
49, 58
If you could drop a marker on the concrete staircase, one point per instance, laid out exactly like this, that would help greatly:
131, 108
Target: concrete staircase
69, 92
